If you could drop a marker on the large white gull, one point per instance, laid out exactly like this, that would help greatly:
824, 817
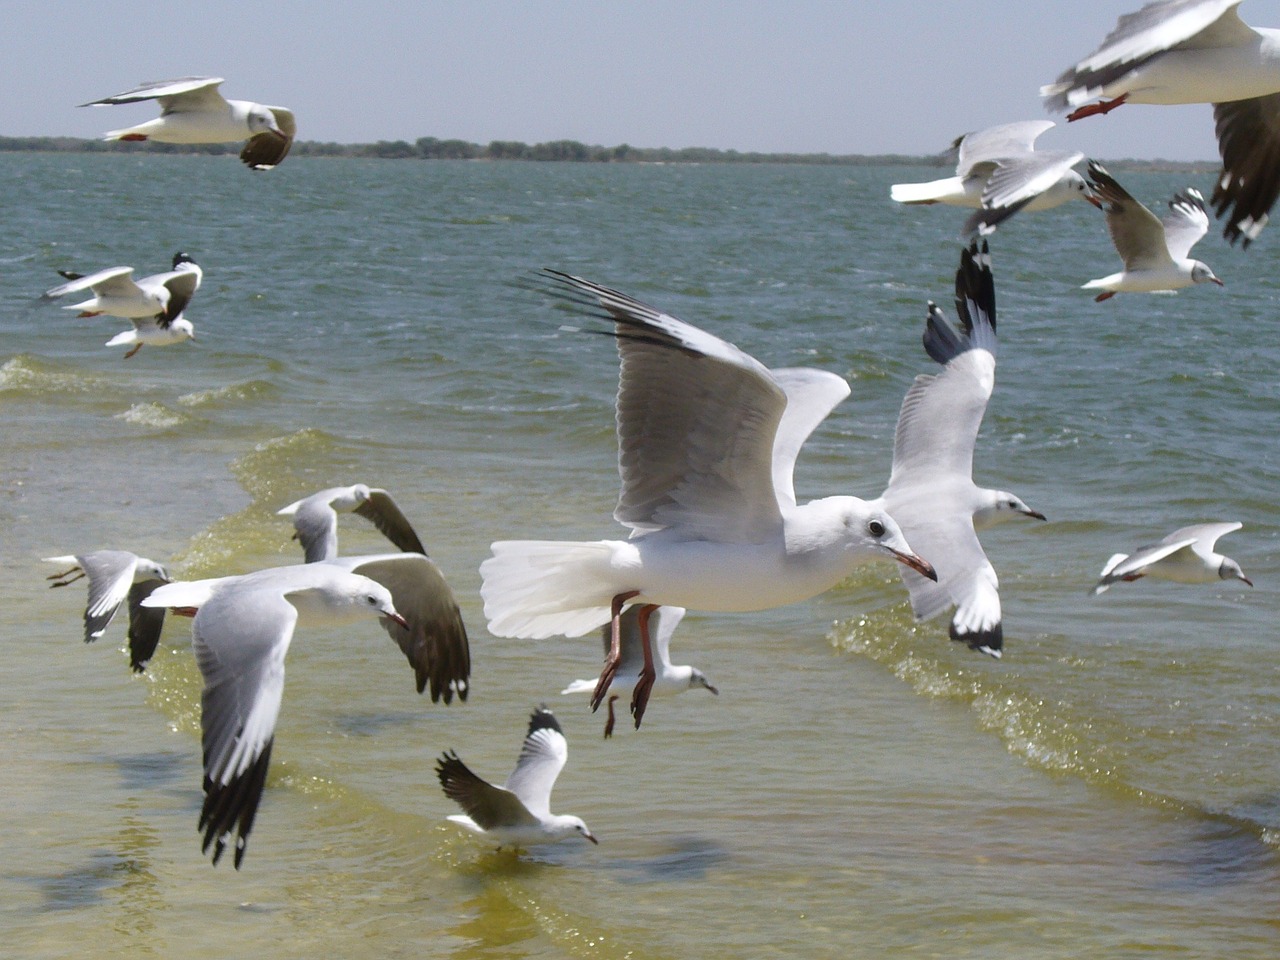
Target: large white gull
519, 812
999, 172
241, 632
707, 443
931, 492
1195, 51
1185, 556
1156, 252
669, 678
193, 111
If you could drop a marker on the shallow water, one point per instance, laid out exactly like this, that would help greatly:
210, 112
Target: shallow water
862, 787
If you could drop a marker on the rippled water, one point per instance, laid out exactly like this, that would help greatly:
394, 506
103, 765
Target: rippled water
861, 787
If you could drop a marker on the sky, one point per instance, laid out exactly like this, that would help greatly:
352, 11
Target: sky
803, 76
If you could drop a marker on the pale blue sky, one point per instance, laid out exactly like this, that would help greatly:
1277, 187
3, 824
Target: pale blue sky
861, 76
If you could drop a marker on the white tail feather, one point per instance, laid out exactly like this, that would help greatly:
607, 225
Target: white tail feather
536, 589
935, 191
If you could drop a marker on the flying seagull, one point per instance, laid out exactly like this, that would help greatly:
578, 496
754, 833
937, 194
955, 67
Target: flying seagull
1184, 556
931, 491
241, 632
315, 519
707, 496
999, 172
193, 111
114, 577
1195, 51
519, 812
668, 679
1154, 251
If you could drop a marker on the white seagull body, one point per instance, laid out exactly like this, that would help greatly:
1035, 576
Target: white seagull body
519, 813
708, 438
931, 492
241, 632
1184, 556
435, 640
193, 111
669, 679
1195, 51
1154, 251
998, 173
114, 577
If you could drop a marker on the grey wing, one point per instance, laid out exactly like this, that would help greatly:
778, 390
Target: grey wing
384, 514
811, 396
1248, 141
1003, 142
1205, 534
182, 286
110, 574
436, 642
542, 757
145, 624
1144, 557
1138, 37
265, 151
315, 525
240, 639
1137, 233
185, 89
1186, 223
696, 420
487, 805
116, 281
1015, 183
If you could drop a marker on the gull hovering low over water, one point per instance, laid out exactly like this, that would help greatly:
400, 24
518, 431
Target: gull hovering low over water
931, 492
668, 679
1155, 252
999, 172
114, 577
1195, 51
1184, 556
434, 639
708, 498
193, 111
518, 813
241, 632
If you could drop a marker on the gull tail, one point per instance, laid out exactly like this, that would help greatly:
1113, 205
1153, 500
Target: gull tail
949, 190
536, 589
580, 686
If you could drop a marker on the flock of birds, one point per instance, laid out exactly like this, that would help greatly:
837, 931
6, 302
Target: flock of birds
708, 439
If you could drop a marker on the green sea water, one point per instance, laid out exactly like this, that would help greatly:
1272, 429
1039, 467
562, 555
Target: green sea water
862, 787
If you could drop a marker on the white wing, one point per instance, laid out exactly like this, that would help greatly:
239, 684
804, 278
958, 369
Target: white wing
114, 281
1185, 224
541, 759
811, 396
188, 93
1003, 142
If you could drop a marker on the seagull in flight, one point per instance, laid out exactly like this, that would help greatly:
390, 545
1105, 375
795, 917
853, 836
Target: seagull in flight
931, 491
1184, 556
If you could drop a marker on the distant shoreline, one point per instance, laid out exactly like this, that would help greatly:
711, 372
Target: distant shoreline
571, 151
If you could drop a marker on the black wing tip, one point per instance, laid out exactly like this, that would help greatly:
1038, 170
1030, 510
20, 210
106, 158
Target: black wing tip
448, 766
989, 641
232, 807
543, 719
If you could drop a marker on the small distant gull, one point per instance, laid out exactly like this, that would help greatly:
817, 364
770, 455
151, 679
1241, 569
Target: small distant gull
241, 633
708, 438
668, 680
1195, 51
153, 304
193, 111
435, 640
931, 491
1184, 556
114, 577
519, 813
999, 172
1154, 251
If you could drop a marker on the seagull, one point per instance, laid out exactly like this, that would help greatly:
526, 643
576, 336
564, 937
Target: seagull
241, 633
931, 492
315, 519
999, 172
154, 304
1154, 251
193, 111
1195, 51
668, 679
707, 438
114, 576
519, 812
435, 641
1184, 556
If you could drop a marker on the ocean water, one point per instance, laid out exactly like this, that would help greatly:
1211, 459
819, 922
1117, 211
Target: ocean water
862, 787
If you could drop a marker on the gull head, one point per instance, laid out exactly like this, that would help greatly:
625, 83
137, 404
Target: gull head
1081, 186
262, 120
183, 327
352, 596
360, 493
567, 824
1200, 273
1002, 505
872, 533
1230, 570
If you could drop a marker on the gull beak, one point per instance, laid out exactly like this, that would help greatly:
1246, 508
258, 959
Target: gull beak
1094, 200
717, 692
1246, 579
1217, 281
592, 838
1036, 515
396, 618
919, 565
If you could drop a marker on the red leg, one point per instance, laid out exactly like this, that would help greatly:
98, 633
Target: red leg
133, 351
66, 573
615, 649
1102, 106
608, 726
1104, 296
89, 313
134, 137
644, 684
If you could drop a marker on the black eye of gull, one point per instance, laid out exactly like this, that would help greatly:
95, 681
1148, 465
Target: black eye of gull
876, 528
